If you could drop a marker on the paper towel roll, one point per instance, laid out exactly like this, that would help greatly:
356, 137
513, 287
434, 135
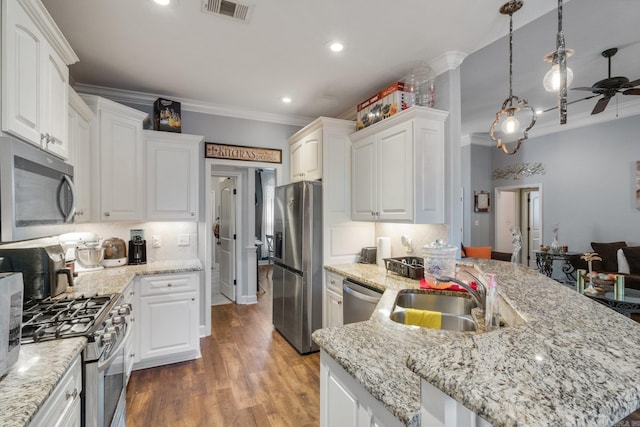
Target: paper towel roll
384, 249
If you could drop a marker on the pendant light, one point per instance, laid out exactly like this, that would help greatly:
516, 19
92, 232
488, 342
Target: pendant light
560, 76
513, 108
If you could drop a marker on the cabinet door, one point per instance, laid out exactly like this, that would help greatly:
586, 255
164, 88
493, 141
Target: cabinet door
121, 178
334, 309
395, 173
22, 44
339, 407
80, 158
56, 104
172, 178
297, 161
168, 325
363, 179
312, 156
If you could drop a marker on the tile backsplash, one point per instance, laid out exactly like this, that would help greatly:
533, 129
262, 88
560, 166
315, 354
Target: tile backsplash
168, 234
420, 235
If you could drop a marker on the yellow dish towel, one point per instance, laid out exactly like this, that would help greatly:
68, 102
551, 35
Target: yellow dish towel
424, 318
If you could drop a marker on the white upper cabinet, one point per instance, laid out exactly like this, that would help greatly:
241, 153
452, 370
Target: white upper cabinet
117, 161
398, 169
172, 175
80, 117
305, 154
35, 76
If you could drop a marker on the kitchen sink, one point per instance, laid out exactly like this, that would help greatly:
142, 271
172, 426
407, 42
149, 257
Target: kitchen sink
412, 298
450, 322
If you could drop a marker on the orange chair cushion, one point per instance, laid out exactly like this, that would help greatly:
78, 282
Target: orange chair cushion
478, 251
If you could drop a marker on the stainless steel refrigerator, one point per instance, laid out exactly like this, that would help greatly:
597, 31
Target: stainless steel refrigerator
297, 263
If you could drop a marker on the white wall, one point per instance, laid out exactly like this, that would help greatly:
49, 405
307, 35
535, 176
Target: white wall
589, 184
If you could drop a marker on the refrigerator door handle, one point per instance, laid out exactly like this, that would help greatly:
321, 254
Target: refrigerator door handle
359, 295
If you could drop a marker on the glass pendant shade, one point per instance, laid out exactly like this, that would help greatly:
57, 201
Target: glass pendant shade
510, 125
551, 80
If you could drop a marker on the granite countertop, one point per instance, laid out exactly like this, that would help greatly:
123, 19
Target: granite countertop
29, 382
115, 279
24, 389
564, 359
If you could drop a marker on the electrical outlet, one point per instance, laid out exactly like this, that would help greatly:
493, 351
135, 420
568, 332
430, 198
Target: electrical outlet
183, 240
155, 241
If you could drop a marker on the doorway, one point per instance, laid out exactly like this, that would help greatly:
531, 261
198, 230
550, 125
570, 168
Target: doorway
520, 207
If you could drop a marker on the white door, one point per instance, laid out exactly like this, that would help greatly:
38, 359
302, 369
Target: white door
227, 239
506, 217
535, 225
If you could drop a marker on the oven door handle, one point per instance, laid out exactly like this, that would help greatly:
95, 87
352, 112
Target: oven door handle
102, 365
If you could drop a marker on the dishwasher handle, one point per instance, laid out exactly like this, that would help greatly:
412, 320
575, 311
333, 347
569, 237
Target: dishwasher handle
358, 295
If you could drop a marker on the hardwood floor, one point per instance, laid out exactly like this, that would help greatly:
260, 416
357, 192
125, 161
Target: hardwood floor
248, 376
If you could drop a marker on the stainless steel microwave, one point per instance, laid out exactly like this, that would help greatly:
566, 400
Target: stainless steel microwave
37, 195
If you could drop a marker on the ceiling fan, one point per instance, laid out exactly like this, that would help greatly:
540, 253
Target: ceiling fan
610, 86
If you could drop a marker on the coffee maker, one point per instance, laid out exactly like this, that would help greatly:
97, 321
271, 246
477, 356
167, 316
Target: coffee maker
137, 248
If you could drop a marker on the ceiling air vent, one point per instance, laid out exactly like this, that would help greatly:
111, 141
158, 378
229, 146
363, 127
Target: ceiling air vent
237, 11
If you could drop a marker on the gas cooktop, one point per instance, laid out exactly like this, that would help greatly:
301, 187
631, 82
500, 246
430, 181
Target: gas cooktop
52, 319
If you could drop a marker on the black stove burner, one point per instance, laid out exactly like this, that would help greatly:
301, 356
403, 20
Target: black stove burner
52, 319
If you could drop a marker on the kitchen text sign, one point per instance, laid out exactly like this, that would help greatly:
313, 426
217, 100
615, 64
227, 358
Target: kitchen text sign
239, 152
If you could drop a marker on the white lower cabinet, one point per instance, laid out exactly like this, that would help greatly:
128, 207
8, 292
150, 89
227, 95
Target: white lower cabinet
345, 403
438, 409
167, 319
131, 343
333, 300
62, 407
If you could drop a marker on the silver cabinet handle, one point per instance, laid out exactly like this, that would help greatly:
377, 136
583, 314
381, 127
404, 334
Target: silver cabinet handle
339, 302
193, 214
72, 395
169, 284
333, 282
107, 214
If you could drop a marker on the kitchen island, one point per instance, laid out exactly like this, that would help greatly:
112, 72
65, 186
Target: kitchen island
563, 359
41, 366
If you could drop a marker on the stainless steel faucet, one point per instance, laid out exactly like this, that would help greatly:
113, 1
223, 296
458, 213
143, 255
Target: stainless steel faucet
478, 296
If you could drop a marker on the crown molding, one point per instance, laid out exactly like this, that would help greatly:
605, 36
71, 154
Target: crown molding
147, 100
447, 61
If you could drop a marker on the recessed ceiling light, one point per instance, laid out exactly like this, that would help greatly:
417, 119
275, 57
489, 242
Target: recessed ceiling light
286, 99
163, 2
336, 47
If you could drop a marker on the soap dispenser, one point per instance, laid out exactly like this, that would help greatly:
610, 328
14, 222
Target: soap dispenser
491, 313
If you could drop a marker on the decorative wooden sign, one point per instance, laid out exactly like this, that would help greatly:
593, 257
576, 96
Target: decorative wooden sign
239, 152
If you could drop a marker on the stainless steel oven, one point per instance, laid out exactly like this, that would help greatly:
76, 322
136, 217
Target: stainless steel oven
105, 321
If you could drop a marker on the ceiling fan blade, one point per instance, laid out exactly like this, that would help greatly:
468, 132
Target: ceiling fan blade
633, 83
631, 92
601, 105
570, 102
582, 88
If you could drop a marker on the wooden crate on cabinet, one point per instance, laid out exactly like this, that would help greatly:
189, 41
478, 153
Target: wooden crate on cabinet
398, 170
172, 175
36, 87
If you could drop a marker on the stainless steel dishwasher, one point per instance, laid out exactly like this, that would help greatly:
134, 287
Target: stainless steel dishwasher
358, 301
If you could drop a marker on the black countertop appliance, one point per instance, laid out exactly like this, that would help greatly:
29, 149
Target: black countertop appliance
137, 251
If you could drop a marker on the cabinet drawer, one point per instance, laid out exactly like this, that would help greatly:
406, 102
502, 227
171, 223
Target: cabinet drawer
334, 283
63, 398
163, 285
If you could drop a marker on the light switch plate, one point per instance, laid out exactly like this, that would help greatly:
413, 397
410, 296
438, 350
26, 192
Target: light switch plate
155, 241
183, 240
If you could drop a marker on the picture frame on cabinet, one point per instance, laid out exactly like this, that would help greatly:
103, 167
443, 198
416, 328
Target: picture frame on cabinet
481, 201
